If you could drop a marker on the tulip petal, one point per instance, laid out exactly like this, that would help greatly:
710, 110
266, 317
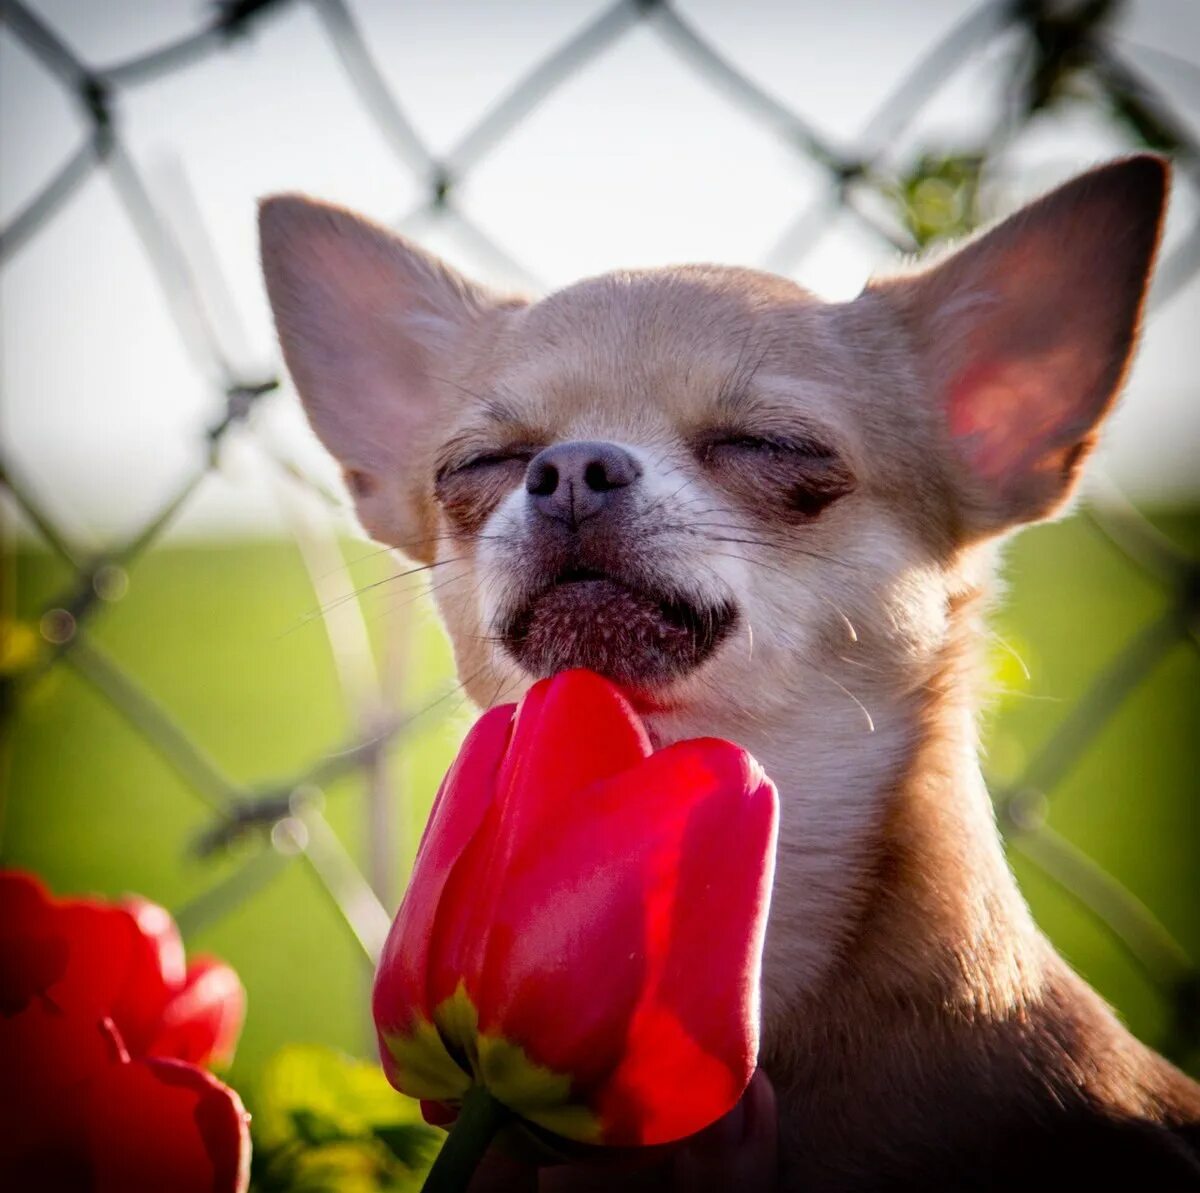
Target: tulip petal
536, 784
163, 944
693, 1042
101, 945
47, 1061
462, 802
720, 907
668, 1085
201, 1021
569, 947
604, 733
438, 1114
44, 1051
566, 946
22, 897
467, 790
164, 1124
30, 960
29, 966
418, 1063
458, 1022
534, 1091
154, 970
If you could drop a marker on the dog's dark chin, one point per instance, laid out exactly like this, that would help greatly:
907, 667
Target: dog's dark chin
634, 637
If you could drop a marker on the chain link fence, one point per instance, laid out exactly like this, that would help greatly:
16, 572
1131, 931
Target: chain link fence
1060, 49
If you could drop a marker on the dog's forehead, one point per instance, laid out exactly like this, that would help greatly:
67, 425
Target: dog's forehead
639, 350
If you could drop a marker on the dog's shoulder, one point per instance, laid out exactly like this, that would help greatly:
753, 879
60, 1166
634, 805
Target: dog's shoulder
1055, 1094
1092, 1152
977, 1142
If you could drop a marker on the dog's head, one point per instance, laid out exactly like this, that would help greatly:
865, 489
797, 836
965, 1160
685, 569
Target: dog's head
704, 482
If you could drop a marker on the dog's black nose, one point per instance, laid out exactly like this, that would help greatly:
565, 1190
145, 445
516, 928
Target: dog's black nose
571, 482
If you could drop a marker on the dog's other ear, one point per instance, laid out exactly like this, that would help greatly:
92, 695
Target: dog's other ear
370, 327
1024, 336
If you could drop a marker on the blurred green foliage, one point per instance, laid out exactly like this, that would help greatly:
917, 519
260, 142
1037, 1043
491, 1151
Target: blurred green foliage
324, 1122
222, 636
938, 198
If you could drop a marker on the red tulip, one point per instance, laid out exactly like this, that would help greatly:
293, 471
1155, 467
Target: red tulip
94, 999
122, 960
582, 934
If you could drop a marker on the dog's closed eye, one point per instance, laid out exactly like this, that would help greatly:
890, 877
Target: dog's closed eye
796, 477
481, 461
469, 487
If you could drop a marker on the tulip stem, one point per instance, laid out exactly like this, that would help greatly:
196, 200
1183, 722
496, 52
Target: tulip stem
478, 1121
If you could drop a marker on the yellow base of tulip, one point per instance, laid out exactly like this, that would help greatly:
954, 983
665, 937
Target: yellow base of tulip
427, 1069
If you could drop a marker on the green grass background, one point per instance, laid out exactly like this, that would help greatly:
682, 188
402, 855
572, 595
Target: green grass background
218, 634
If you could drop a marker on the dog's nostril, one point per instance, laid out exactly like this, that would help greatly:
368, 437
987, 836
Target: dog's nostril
595, 476
542, 481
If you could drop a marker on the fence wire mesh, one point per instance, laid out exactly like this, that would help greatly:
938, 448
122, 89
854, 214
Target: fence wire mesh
1057, 48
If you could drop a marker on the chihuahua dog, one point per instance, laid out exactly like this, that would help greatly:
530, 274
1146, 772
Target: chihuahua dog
773, 519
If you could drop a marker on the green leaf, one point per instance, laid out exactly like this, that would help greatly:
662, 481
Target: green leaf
410, 1144
314, 1130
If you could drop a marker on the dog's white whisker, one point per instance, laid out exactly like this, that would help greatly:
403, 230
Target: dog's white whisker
861, 706
1012, 652
851, 632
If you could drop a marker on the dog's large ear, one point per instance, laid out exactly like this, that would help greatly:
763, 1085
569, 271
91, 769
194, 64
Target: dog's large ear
371, 326
1024, 336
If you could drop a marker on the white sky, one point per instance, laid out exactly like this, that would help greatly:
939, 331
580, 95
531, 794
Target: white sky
636, 160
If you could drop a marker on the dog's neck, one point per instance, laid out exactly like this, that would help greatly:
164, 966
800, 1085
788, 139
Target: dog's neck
888, 846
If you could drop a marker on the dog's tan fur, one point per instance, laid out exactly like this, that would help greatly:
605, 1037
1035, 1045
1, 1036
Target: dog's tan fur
919, 1029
